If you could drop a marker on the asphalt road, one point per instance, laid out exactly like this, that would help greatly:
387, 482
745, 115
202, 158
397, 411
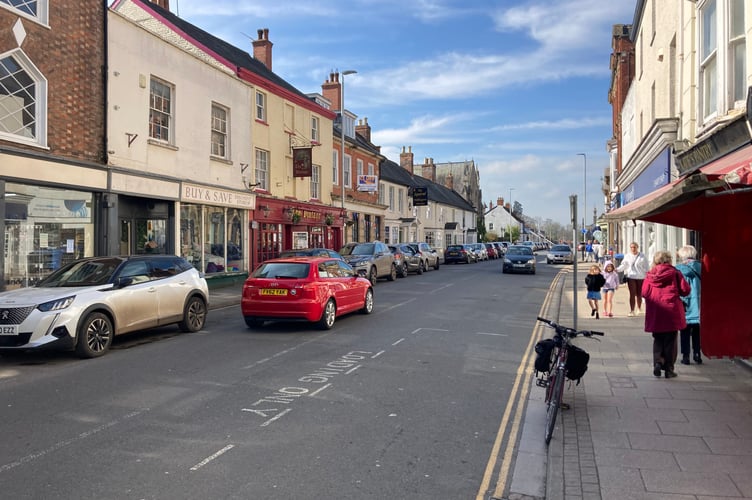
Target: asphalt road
405, 403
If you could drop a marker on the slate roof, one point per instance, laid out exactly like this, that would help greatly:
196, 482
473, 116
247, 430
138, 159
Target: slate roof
232, 54
392, 172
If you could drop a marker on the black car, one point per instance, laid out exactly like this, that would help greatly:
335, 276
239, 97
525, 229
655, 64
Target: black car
519, 259
455, 254
311, 252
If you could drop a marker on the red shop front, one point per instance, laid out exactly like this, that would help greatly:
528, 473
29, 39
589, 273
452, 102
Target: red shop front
278, 225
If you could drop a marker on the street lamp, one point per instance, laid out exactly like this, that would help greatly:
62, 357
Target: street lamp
511, 208
342, 130
584, 194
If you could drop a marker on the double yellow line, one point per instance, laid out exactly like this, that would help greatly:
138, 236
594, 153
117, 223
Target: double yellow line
516, 404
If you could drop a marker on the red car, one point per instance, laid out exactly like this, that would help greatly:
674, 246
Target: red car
315, 289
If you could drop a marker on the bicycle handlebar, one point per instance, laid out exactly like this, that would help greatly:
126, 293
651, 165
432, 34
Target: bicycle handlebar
571, 332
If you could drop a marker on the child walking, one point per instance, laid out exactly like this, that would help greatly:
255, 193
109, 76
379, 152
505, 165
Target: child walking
594, 281
611, 285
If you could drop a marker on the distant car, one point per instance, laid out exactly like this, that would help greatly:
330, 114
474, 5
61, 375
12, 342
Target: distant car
480, 251
314, 289
455, 254
560, 254
500, 248
86, 303
374, 258
310, 252
519, 259
427, 254
406, 260
491, 251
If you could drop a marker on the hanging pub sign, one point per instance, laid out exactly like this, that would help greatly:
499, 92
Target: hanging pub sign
420, 196
302, 161
368, 183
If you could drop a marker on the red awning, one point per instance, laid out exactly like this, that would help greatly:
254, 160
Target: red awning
734, 168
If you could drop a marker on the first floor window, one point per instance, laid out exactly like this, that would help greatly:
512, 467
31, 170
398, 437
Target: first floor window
219, 131
35, 9
315, 182
260, 106
314, 129
262, 169
335, 167
348, 172
23, 109
160, 110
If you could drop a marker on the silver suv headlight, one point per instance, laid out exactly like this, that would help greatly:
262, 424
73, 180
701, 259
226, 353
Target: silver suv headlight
57, 304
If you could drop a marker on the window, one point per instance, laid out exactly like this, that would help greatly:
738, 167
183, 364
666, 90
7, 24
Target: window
260, 106
315, 182
391, 198
23, 106
314, 129
160, 111
33, 9
400, 201
381, 193
219, 131
359, 164
335, 167
348, 172
722, 57
371, 169
262, 169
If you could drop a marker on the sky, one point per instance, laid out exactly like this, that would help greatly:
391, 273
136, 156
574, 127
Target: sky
518, 86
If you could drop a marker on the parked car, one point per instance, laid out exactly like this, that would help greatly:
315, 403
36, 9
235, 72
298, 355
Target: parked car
314, 289
480, 251
519, 259
560, 254
86, 303
374, 258
310, 252
406, 260
491, 251
428, 255
455, 254
500, 248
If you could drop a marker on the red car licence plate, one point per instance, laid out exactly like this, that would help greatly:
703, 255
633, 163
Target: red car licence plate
273, 291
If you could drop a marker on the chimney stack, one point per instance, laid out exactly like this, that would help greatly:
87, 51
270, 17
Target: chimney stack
165, 4
332, 91
363, 129
262, 48
428, 170
500, 201
449, 181
406, 159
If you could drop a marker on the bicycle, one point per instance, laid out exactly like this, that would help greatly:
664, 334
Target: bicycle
554, 382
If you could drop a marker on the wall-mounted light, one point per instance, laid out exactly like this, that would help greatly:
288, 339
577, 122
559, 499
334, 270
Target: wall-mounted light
265, 210
289, 213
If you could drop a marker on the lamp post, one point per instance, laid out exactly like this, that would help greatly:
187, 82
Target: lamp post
584, 194
511, 208
342, 130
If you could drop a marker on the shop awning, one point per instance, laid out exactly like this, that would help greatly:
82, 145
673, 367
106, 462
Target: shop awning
450, 226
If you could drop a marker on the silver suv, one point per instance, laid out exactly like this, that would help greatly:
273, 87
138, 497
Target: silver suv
428, 256
374, 260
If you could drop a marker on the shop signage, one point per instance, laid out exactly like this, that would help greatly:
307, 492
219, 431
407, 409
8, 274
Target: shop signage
219, 197
368, 183
721, 143
420, 196
654, 176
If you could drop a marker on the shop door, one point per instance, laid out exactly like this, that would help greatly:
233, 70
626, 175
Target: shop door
141, 236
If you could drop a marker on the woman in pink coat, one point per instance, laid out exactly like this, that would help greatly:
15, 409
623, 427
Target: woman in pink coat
664, 311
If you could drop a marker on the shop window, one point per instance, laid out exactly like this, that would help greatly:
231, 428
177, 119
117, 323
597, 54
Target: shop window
23, 105
202, 238
214, 240
269, 241
45, 229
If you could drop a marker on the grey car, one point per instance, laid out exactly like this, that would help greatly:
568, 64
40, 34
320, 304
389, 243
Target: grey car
560, 254
428, 256
374, 259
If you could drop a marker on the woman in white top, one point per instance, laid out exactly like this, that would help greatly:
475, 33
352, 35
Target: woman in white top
634, 266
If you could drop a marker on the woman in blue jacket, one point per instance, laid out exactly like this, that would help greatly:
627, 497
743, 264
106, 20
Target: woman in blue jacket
690, 268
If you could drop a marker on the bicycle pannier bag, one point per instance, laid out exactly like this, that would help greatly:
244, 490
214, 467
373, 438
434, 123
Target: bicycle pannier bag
543, 350
577, 361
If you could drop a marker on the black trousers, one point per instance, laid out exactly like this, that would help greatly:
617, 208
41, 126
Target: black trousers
691, 332
665, 349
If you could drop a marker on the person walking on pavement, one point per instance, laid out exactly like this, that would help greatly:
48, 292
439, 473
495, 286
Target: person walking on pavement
634, 266
662, 289
611, 285
690, 269
589, 251
594, 281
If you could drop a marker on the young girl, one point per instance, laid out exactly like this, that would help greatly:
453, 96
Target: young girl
611, 285
594, 282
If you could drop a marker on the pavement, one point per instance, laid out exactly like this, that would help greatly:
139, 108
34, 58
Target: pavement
628, 434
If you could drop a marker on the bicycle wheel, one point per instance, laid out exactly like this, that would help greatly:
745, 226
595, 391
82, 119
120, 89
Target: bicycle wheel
556, 386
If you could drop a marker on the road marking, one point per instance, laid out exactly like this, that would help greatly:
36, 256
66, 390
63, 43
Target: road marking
398, 342
395, 306
492, 334
212, 457
281, 414
517, 398
382, 352
62, 444
348, 372
319, 390
418, 330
